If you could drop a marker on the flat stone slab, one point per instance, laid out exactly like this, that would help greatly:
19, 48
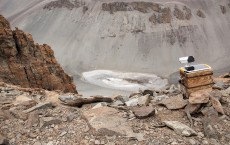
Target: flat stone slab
39, 106
143, 112
180, 128
176, 102
107, 120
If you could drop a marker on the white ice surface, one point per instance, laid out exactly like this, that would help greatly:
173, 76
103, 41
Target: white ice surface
127, 81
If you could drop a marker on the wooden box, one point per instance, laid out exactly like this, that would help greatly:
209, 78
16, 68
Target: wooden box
197, 79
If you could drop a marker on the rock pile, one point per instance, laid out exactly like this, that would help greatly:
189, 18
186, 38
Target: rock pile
25, 63
36, 116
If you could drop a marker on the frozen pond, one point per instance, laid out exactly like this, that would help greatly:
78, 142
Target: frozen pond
126, 81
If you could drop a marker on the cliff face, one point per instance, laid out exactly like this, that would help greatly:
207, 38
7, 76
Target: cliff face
24, 63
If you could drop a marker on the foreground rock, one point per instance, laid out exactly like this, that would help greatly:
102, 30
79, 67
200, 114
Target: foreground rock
107, 121
176, 102
201, 96
79, 101
143, 112
25, 63
180, 128
40, 106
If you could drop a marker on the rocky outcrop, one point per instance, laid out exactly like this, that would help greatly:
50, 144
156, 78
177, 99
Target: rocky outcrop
63, 4
24, 63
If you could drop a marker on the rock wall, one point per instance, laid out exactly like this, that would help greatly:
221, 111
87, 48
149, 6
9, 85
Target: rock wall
25, 63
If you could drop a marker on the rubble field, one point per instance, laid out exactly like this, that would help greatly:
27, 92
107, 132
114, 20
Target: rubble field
153, 117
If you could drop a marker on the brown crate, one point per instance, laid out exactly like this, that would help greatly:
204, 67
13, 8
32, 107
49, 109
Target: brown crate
197, 81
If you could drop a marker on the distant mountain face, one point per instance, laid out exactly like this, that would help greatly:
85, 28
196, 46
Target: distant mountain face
141, 36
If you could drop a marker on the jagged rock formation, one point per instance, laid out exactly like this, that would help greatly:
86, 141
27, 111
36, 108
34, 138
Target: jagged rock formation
24, 63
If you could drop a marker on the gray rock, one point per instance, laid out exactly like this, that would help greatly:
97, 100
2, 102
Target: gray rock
143, 112
160, 97
40, 106
118, 103
210, 119
3, 140
33, 119
144, 100
148, 92
132, 102
49, 121
98, 105
176, 102
172, 89
71, 116
123, 99
180, 128
66, 98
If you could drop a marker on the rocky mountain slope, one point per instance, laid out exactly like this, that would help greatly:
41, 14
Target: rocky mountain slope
126, 35
28, 64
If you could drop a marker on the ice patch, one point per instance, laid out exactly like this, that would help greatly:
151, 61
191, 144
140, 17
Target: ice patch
127, 81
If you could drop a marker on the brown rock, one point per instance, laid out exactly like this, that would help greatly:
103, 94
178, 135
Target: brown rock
178, 13
165, 16
33, 119
216, 104
176, 102
143, 112
201, 96
28, 64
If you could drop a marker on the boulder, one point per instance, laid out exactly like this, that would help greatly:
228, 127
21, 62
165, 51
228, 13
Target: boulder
143, 111
144, 100
175, 102
107, 121
199, 97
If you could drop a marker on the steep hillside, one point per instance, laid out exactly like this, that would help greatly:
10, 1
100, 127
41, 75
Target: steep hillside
125, 35
24, 63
